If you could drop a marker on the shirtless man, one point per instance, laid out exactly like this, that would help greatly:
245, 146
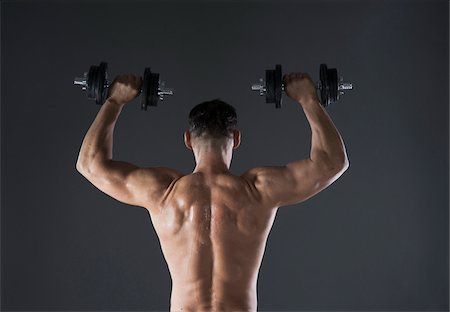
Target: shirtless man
212, 225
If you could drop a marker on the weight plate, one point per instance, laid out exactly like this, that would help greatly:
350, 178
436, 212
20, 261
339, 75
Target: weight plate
270, 86
102, 82
277, 84
325, 87
95, 84
150, 86
154, 86
333, 78
145, 88
90, 84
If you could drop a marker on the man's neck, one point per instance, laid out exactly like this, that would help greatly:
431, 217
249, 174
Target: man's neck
211, 163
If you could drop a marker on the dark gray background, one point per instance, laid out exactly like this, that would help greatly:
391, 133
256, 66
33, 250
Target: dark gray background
377, 239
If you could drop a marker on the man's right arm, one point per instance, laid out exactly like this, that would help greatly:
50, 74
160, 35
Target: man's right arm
302, 179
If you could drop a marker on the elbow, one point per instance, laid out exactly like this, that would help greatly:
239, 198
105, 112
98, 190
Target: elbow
333, 163
338, 168
88, 166
340, 163
345, 164
83, 166
80, 167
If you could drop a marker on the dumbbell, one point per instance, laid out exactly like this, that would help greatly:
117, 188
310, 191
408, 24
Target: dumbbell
95, 82
330, 89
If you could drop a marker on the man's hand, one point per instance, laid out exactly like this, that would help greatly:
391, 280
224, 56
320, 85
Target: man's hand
124, 89
300, 87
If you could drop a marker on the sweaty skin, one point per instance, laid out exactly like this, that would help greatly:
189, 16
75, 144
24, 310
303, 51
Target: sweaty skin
212, 225
213, 231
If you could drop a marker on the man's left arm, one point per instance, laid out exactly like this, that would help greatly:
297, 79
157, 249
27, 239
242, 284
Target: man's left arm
121, 180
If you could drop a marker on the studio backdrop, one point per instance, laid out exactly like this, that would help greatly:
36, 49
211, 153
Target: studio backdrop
377, 239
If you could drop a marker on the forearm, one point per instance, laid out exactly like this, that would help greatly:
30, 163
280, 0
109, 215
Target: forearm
326, 142
98, 142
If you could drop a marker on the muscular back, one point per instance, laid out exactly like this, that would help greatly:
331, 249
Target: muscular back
213, 227
213, 231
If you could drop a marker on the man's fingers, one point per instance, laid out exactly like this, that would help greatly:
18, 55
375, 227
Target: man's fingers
291, 76
129, 79
288, 77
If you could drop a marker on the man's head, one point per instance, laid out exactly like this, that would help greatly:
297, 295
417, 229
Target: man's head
212, 124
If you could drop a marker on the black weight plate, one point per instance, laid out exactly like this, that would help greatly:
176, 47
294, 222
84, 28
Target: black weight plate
101, 83
90, 84
96, 84
150, 86
270, 86
324, 90
277, 84
333, 78
145, 88
154, 86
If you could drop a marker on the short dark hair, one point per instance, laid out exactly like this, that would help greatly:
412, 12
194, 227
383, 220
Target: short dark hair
213, 119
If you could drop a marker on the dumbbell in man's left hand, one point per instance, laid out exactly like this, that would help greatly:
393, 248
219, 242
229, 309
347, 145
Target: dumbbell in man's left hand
124, 89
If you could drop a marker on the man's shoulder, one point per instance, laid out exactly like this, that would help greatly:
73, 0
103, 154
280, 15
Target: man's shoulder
164, 172
255, 173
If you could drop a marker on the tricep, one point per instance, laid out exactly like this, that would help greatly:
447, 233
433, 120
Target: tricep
294, 182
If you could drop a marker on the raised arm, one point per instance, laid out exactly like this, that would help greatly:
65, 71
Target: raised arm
302, 179
121, 180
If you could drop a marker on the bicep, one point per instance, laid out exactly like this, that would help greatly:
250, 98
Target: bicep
129, 183
292, 183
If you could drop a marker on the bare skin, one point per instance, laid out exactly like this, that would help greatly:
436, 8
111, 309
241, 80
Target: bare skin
212, 225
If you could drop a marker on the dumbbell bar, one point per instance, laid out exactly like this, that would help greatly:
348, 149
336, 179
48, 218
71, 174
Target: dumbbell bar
95, 82
329, 87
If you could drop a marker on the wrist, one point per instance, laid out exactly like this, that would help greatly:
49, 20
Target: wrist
115, 102
310, 102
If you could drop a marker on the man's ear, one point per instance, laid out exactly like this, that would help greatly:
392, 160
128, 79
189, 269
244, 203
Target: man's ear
236, 139
187, 139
